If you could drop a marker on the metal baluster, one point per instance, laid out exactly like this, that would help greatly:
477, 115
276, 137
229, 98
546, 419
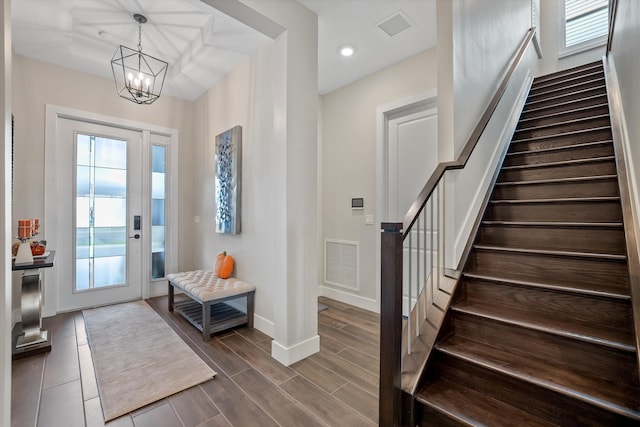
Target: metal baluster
425, 275
418, 277
431, 282
438, 237
409, 301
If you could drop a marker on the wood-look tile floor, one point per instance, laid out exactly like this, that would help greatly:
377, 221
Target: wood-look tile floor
336, 387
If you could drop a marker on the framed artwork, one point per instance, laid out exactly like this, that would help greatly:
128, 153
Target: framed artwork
228, 182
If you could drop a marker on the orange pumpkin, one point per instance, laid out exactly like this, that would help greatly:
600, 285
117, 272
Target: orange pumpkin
223, 265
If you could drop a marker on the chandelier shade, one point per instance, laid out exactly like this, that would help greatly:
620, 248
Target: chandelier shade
138, 77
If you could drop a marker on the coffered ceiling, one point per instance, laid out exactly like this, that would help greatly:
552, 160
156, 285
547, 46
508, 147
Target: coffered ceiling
202, 44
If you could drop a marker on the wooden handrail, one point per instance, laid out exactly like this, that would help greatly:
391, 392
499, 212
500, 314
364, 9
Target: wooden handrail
417, 206
613, 10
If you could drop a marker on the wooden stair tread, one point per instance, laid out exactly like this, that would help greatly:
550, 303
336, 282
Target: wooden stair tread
561, 163
542, 84
561, 134
558, 180
555, 224
596, 334
619, 398
594, 98
552, 252
549, 286
564, 113
539, 91
560, 148
602, 88
562, 123
578, 70
472, 408
557, 200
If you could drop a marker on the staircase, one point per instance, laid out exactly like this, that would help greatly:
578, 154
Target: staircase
540, 331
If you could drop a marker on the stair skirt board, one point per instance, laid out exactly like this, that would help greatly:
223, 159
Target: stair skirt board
541, 329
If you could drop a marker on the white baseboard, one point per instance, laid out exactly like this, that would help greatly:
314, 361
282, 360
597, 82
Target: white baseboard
158, 289
349, 298
290, 355
263, 325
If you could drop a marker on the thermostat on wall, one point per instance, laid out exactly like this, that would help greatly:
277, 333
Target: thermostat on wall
357, 203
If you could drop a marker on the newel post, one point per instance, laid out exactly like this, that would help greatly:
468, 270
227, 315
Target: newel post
390, 323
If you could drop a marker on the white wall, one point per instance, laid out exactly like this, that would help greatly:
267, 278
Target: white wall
349, 161
5, 217
625, 52
38, 83
243, 98
484, 35
293, 177
551, 17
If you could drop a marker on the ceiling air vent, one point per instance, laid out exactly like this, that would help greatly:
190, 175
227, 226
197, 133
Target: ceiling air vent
395, 24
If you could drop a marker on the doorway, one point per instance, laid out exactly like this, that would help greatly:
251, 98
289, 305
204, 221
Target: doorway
107, 216
407, 155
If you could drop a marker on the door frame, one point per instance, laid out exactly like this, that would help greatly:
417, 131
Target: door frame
422, 101
52, 114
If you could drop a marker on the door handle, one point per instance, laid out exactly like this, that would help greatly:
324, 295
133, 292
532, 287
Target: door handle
135, 236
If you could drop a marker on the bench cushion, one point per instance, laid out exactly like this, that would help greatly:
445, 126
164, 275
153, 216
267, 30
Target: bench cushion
206, 286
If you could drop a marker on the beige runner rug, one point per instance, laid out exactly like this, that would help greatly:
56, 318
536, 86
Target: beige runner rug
138, 358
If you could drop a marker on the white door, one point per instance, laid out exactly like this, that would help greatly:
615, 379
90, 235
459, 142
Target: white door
412, 156
100, 205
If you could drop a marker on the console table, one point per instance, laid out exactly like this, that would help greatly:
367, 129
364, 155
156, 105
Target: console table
30, 338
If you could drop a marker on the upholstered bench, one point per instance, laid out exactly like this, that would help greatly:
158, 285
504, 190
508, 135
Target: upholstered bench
206, 308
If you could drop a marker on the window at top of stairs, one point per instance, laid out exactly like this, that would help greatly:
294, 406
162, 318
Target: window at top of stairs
586, 24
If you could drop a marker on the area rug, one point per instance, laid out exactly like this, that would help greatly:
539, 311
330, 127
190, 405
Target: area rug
138, 358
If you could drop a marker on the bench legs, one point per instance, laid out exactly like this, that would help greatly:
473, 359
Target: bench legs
206, 321
250, 308
206, 311
171, 297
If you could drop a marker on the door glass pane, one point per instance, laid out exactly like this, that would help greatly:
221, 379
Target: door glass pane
158, 196
101, 212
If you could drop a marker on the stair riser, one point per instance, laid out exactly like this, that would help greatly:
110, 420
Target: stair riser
429, 417
591, 151
569, 88
558, 305
543, 403
596, 168
564, 75
573, 355
573, 96
584, 273
560, 140
542, 86
572, 239
564, 107
559, 212
536, 132
575, 114
571, 189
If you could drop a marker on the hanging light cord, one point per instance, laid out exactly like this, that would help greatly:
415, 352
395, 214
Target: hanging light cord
139, 36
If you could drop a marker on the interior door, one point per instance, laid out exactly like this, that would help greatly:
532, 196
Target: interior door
99, 249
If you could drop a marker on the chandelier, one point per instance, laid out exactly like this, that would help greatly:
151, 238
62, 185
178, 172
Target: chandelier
139, 77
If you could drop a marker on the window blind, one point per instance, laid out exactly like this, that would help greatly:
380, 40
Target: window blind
585, 20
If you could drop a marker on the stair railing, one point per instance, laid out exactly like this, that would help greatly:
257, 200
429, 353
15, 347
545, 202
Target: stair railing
629, 214
421, 237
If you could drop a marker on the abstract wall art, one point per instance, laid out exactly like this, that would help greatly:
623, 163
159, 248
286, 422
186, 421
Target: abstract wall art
228, 182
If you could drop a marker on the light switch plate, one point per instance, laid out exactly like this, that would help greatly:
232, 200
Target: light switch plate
196, 219
368, 219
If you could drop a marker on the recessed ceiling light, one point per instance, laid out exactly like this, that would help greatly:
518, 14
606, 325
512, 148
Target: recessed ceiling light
347, 50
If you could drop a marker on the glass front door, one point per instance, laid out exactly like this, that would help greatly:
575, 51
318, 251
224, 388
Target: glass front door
101, 212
